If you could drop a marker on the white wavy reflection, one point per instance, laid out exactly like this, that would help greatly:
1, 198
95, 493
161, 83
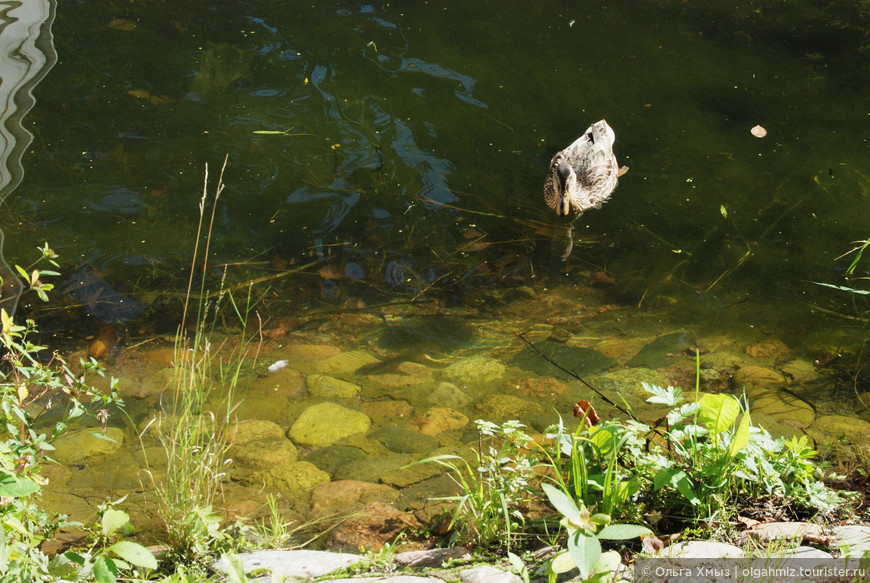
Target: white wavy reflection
26, 55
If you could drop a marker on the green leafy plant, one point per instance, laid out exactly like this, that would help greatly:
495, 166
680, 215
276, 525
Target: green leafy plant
493, 488
588, 464
109, 554
712, 456
585, 533
27, 381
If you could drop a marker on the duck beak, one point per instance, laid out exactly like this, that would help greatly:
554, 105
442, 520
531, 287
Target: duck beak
564, 208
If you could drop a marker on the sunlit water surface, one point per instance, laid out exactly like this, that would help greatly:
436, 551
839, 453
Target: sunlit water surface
387, 154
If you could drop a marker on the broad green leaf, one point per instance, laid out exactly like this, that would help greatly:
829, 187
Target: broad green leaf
134, 553
600, 519
236, 571
741, 437
105, 570
519, 566
608, 563
17, 487
562, 503
112, 520
562, 563
65, 566
15, 524
677, 479
718, 412
5, 550
623, 531
585, 550
604, 439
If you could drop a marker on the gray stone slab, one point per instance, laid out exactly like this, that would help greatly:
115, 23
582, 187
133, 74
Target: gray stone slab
488, 574
698, 549
292, 563
852, 540
805, 552
431, 557
393, 579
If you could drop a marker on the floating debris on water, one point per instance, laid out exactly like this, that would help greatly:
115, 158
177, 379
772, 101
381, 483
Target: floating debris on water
278, 365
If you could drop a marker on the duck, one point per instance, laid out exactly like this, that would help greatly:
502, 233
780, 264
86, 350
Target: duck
583, 175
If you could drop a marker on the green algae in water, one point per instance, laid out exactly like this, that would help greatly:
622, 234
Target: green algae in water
660, 352
580, 361
439, 333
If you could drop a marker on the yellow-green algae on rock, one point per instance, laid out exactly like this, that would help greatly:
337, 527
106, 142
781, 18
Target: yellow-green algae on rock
325, 423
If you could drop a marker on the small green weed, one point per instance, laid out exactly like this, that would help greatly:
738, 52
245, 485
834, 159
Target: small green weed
493, 488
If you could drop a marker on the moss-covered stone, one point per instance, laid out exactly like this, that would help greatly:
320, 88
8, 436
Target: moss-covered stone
324, 424
78, 446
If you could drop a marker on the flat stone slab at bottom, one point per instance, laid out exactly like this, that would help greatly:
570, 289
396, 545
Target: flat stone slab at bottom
488, 574
302, 564
391, 579
702, 550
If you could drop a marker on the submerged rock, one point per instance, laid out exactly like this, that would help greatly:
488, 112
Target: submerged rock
661, 351
264, 453
346, 362
294, 479
331, 388
77, 446
324, 424
449, 395
119, 472
345, 495
330, 459
373, 526
783, 406
401, 440
759, 376
306, 357
501, 407
245, 432
373, 469
627, 384
771, 348
438, 420
580, 361
837, 432
388, 410
800, 371
474, 371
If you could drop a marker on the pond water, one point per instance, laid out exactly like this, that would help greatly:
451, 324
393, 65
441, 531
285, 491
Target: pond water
384, 188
